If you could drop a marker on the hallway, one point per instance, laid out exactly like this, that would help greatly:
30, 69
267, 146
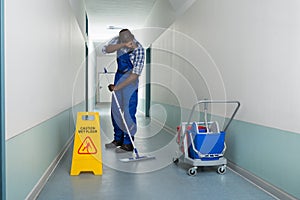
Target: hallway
138, 180
53, 66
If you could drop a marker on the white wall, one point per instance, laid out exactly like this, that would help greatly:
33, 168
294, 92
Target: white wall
161, 17
44, 49
92, 75
187, 75
78, 7
255, 46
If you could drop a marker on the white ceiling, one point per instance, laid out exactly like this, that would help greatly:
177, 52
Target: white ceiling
118, 14
103, 14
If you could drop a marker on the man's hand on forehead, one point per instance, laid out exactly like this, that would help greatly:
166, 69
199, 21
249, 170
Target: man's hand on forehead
129, 44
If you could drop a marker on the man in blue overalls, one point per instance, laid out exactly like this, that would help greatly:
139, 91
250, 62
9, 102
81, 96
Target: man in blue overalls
130, 59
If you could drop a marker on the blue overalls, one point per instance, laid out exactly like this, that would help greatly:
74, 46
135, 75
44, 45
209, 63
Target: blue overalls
128, 99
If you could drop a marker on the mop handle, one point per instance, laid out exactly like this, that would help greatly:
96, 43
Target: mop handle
123, 118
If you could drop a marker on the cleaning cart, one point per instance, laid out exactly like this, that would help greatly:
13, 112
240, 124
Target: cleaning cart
203, 143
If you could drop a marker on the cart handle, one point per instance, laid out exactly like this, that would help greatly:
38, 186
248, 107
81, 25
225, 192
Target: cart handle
205, 102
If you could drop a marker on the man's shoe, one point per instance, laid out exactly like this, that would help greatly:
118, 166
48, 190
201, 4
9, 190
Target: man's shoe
124, 148
113, 144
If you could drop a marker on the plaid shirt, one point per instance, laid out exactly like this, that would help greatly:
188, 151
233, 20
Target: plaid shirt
137, 56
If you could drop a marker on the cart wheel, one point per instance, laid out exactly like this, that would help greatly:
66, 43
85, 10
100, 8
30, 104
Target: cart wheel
222, 169
175, 161
192, 171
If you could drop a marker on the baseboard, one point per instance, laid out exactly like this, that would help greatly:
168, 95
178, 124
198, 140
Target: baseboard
43, 180
262, 184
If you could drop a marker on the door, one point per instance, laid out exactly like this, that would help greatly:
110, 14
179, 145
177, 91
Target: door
148, 82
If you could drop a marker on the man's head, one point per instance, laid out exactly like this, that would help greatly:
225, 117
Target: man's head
125, 36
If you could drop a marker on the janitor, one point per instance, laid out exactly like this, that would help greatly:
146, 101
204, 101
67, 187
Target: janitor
130, 60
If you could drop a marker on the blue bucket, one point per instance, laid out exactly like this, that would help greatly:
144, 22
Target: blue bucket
206, 143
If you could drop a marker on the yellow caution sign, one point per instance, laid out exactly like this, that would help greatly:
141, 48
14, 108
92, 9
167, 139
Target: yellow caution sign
87, 155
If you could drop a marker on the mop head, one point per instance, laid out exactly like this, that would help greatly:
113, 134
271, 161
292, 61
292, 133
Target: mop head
137, 158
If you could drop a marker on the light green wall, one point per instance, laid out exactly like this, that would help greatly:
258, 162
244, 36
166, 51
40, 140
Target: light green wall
269, 153
29, 154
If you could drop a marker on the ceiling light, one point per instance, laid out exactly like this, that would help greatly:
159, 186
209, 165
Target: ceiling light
114, 27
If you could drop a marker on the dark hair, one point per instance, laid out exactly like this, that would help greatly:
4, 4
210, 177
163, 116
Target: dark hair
123, 30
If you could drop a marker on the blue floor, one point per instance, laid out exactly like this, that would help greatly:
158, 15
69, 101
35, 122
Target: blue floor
151, 179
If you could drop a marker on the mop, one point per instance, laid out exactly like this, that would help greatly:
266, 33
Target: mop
136, 156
